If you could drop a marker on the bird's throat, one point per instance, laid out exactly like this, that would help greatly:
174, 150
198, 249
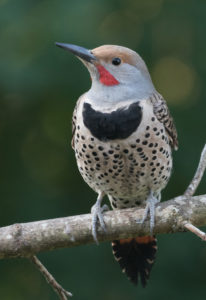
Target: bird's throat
105, 77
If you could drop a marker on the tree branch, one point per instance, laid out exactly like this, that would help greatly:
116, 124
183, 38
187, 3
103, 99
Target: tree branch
27, 239
196, 231
61, 292
198, 174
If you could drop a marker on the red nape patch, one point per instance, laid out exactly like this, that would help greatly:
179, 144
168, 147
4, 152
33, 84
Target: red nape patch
105, 77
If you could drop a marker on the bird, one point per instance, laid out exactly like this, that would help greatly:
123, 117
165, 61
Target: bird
123, 136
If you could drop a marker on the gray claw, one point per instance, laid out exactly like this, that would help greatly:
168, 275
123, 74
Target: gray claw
97, 216
149, 210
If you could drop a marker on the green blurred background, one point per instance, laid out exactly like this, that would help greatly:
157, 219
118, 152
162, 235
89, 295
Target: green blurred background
39, 85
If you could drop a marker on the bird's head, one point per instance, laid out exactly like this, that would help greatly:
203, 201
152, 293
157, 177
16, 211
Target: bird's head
114, 66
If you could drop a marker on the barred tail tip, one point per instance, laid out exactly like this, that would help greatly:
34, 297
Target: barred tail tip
136, 257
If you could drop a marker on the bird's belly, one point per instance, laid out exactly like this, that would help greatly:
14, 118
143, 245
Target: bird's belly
126, 170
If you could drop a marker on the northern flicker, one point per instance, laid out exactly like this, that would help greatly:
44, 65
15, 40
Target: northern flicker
123, 136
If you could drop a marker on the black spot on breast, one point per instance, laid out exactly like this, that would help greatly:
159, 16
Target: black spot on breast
118, 124
110, 151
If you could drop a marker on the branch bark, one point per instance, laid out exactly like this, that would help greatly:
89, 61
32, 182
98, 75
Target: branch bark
27, 239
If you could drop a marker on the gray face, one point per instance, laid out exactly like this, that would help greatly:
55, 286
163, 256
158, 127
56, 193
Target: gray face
133, 78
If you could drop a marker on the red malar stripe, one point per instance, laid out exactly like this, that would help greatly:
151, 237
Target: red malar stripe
105, 77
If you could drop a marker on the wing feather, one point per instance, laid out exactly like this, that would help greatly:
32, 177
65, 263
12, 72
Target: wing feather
162, 113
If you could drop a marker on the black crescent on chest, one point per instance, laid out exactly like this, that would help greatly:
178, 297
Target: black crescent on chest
118, 124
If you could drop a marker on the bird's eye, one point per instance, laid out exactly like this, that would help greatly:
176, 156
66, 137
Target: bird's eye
116, 61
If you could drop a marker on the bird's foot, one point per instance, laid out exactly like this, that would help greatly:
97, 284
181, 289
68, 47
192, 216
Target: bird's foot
97, 216
150, 210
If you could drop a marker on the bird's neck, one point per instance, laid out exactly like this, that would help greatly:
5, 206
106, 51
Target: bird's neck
110, 96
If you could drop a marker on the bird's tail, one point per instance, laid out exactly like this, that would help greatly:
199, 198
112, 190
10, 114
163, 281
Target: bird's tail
136, 257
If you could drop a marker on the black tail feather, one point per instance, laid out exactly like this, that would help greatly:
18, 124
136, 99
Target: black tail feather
136, 257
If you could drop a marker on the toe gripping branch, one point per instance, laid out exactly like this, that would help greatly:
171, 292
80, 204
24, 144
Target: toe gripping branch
150, 210
97, 216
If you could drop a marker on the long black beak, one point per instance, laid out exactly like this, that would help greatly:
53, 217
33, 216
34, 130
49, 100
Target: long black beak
78, 51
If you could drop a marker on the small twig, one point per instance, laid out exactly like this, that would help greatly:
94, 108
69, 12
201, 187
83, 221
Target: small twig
198, 175
61, 292
196, 231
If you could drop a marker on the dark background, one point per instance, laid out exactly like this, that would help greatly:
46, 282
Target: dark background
39, 85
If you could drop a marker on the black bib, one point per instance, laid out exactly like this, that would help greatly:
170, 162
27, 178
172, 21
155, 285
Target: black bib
118, 124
